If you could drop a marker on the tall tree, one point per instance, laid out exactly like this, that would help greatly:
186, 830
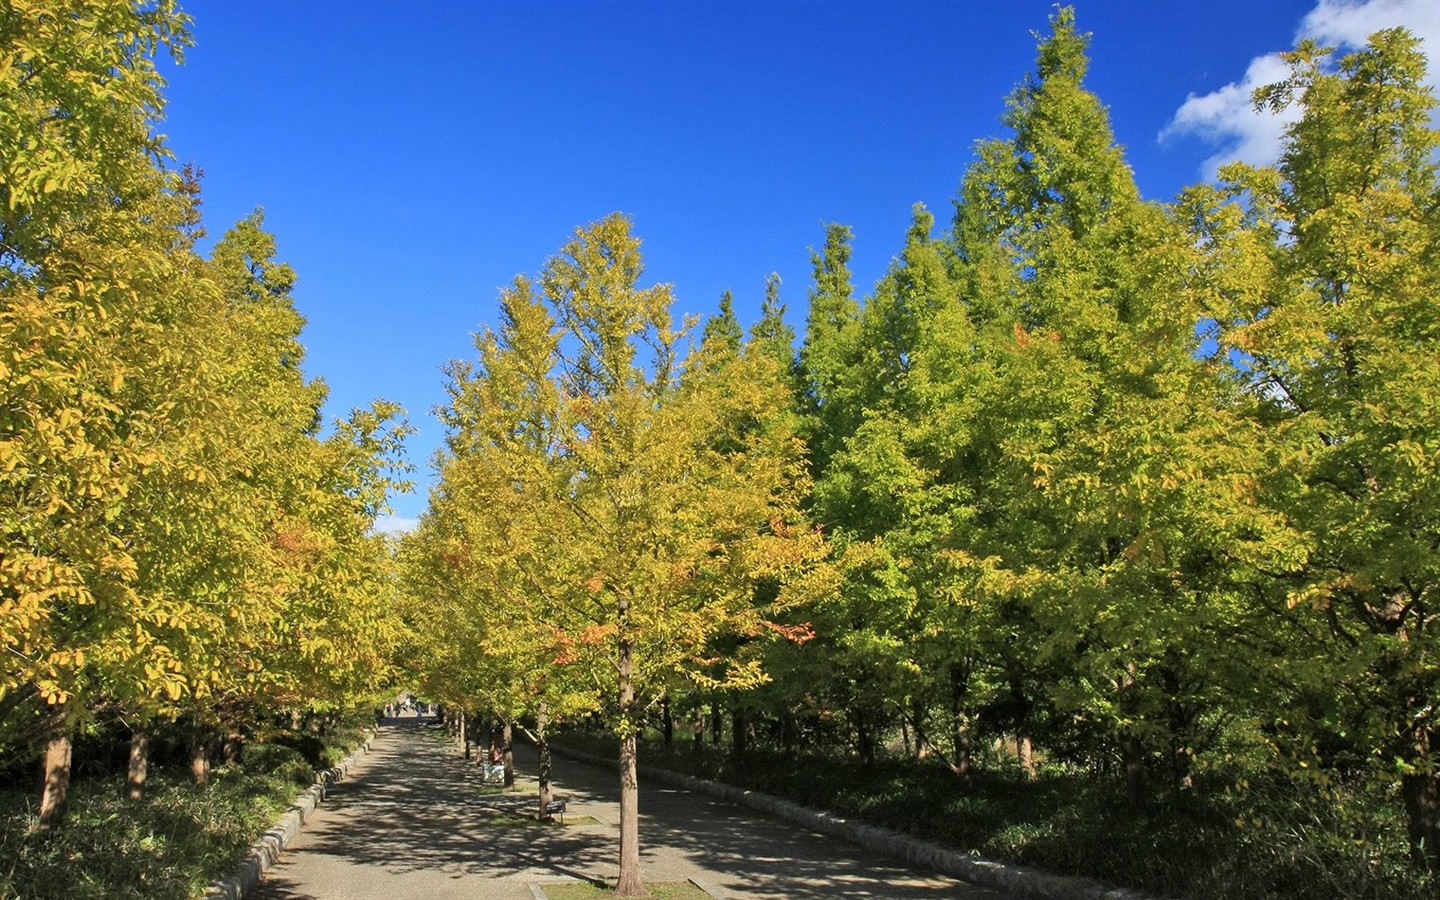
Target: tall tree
672, 488
89, 273
156, 440
770, 334
826, 355
1331, 320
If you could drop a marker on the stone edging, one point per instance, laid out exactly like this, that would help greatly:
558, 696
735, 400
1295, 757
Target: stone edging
264, 852
982, 872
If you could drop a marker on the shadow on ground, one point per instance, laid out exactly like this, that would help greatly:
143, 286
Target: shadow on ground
417, 807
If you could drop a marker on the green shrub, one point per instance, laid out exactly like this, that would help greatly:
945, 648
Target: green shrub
171, 844
279, 761
1249, 838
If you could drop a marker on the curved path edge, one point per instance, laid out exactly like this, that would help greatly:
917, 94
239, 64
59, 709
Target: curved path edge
265, 851
977, 871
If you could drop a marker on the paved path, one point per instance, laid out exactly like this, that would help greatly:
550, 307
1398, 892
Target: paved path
409, 821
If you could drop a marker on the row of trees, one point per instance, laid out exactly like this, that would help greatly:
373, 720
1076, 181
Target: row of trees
1137, 485
182, 545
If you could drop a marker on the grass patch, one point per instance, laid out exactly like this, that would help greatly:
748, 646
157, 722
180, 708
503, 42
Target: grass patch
586, 890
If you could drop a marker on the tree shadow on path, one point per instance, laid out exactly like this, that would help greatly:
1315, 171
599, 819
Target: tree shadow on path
417, 820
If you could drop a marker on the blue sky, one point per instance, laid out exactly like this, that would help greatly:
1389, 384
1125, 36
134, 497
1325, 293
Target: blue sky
411, 157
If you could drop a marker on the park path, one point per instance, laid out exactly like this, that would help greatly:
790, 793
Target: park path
409, 821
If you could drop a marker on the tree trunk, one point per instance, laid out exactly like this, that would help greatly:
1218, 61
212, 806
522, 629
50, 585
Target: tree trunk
199, 756
230, 747
788, 736
462, 737
1422, 806
542, 753
1422, 810
698, 726
1137, 782
139, 764
1180, 719
739, 736
630, 883
960, 723
56, 792
667, 723
864, 742
1025, 750
507, 736
917, 724
715, 722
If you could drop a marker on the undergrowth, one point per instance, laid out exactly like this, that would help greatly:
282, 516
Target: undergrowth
167, 846
1271, 840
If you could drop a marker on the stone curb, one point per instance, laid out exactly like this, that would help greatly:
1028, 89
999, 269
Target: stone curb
264, 852
977, 871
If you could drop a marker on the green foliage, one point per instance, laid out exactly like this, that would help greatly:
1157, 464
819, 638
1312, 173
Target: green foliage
1146, 487
170, 845
177, 538
1270, 839
1060, 512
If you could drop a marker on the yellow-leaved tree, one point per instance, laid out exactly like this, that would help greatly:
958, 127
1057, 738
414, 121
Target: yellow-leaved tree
639, 507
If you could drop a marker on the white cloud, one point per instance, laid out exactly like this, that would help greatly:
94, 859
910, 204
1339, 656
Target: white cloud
1349, 25
395, 524
1227, 118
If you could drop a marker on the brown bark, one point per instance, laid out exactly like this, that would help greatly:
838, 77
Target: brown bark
542, 752
1025, 750
788, 736
698, 726
507, 736
139, 764
1422, 810
715, 722
1421, 791
864, 741
960, 724
231, 746
1137, 780
739, 733
630, 883
667, 723
917, 724
55, 795
199, 757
